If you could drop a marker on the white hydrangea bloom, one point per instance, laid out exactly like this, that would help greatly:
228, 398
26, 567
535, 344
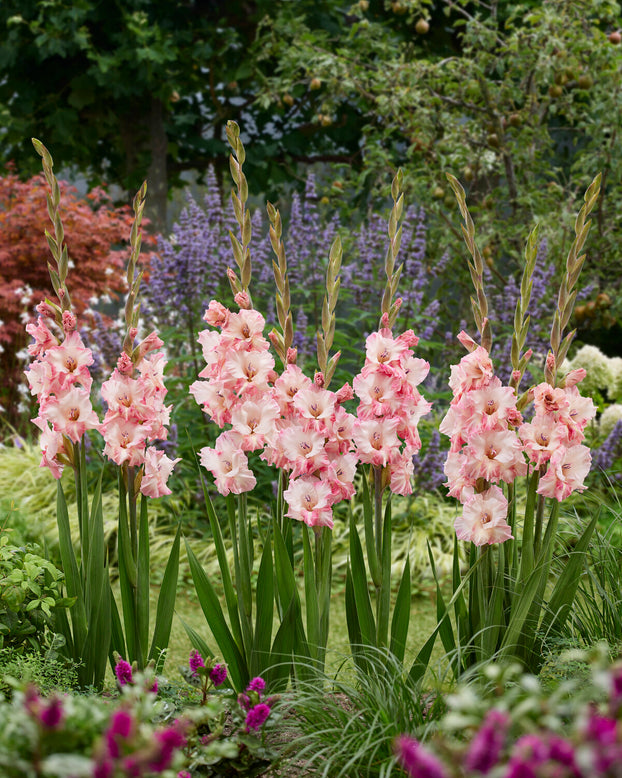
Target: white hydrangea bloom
599, 375
615, 391
609, 418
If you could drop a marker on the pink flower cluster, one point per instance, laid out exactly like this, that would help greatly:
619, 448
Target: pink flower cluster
552, 441
136, 415
60, 378
385, 433
301, 427
298, 426
489, 442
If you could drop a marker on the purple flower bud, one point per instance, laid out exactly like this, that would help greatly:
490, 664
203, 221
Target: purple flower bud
121, 724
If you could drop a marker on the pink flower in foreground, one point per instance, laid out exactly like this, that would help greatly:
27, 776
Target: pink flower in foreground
71, 413
483, 518
158, 468
309, 500
376, 439
566, 472
229, 465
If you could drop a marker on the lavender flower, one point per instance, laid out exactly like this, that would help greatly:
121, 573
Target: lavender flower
605, 455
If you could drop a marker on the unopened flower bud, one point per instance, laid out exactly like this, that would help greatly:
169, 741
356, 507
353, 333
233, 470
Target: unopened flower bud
133, 332
384, 321
550, 361
216, 314
243, 300
292, 356
69, 321
61, 293
516, 376
467, 341
125, 366
150, 343
397, 304
45, 310
318, 379
345, 393
574, 377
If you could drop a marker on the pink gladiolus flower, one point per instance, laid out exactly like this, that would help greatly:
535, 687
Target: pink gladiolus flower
69, 321
254, 421
566, 472
546, 399
229, 466
483, 518
542, 437
402, 469
314, 403
381, 349
309, 500
52, 444
248, 370
70, 363
158, 468
72, 413
216, 314
375, 440
125, 441
125, 366
474, 370
495, 455
151, 343
44, 339
303, 447
246, 328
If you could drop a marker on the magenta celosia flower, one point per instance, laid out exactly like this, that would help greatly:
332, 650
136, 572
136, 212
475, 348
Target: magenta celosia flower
120, 728
168, 741
416, 760
218, 674
485, 748
103, 769
195, 661
123, 671
52, 714
257, 716
256, 684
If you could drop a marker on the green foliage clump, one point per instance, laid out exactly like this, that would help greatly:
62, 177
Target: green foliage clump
30, 591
